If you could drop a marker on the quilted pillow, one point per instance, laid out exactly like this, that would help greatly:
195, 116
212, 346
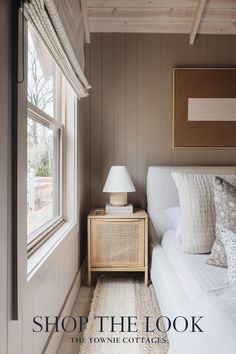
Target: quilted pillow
225, 209
197, 211
229, 241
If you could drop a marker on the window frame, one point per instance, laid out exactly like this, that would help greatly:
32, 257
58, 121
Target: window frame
39, 236
65, 116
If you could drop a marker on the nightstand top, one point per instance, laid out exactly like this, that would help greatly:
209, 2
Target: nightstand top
138, 213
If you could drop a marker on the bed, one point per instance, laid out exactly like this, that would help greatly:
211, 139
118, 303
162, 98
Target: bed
184, 282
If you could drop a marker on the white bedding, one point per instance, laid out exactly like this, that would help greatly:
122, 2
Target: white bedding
170, 293
177, 278
184, 284
218, 323
195, 276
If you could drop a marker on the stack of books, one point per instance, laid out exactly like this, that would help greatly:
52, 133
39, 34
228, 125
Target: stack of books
126, 209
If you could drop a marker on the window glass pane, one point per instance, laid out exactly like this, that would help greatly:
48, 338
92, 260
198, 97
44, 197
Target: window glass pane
41, 75
43, 174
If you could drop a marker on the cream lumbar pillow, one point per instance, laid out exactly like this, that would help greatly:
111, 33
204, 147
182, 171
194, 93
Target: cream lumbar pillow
225, 209
197, 211
229, 241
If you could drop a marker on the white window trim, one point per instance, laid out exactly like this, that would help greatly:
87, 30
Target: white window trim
69, 184
37, 259
36, 238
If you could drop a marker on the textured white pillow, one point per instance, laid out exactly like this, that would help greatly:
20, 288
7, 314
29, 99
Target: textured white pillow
197, 211
173, 215
229, 241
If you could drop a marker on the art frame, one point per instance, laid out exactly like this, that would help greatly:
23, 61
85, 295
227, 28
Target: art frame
203, 83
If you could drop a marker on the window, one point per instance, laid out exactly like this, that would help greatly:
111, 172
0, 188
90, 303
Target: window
44, 143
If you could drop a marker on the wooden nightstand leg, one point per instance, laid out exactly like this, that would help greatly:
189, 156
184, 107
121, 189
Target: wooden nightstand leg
89, 256
146, 254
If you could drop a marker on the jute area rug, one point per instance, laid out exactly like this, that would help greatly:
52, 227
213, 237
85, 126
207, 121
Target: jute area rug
128, 298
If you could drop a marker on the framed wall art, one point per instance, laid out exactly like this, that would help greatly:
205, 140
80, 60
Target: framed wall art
204, 107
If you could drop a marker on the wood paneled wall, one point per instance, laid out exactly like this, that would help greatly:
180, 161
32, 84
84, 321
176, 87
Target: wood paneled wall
83, 173
131, 103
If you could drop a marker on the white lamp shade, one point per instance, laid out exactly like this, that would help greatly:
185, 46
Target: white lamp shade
118, 181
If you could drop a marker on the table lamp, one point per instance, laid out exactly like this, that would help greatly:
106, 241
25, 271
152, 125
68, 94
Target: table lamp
118, 184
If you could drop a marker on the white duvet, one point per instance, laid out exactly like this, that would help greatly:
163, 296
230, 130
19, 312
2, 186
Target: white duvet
195, 276
218, 308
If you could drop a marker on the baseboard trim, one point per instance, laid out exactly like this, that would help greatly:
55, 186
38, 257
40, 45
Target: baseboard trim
54, 338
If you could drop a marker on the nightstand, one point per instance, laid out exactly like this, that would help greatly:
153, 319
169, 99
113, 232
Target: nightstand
118, 243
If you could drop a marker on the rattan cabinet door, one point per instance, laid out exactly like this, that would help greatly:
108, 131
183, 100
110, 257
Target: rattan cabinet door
117, 243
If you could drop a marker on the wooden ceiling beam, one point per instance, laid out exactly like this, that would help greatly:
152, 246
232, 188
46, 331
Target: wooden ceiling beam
143, 14
85, 20
197, 20
142, 3
117, 26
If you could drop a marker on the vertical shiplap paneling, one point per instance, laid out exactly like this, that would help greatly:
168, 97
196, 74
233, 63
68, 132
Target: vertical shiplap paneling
142, 86
166, 99
38, 309
47, 291
84, 153
131, 127
96, 61
84, 176
143, 115
119, 99
107, 107
178, 50
27, 333
154, 121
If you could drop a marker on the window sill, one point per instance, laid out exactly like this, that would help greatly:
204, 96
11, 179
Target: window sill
36, 260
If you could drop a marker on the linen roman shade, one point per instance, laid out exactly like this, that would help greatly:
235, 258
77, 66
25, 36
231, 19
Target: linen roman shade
52, 20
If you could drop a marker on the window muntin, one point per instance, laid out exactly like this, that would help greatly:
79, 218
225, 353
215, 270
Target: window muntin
44, 143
